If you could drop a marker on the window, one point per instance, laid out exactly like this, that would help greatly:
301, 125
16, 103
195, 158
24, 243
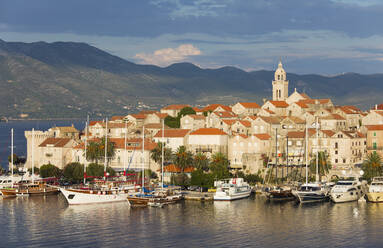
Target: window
374, 145
279, 77
344, 160
336, 161
374, 133
336, 151
336, 145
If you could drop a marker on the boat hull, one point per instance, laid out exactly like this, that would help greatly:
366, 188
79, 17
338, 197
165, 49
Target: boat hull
76, 197
225, 197
345, 197
280, 196
310, 197
375, 196
8, 193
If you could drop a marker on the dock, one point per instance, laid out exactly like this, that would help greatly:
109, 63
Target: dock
198, 196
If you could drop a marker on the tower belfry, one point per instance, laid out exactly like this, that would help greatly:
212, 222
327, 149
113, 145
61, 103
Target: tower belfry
280, 84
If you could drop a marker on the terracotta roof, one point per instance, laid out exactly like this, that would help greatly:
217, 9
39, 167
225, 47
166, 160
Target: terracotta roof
304, 95
173, 133
175, 169
213, 107
301, 104
138, 116
270, 119
147, 112
374, 127
280, 104
229, 122
269, 111
175, 107
329, 133
155, 126
55, 142
253, 117
296, 134
295, 119
115, 125
117, 118
119, 143
197, 109
360, 135
315, 101
262, 136
333, 117
92, 123
378, 107
161, 115
245, 123
250, 105
208, 131
242, 135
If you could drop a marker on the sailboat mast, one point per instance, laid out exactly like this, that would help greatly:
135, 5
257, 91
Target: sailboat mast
162, 152
12, 154
106, 147
143, 159
33, 155
306, 152
317, 167
126, 130
86, 147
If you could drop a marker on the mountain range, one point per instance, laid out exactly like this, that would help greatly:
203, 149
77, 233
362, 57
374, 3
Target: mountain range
71, 80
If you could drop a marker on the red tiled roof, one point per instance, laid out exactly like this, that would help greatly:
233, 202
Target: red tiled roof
269, 111
147, 112
250, 104
175, 107
315, 101
138, 116
92, 123
280, 104
229, 122
155, 126
213, 107
296, 134
161, 115
333, 117
208, 131
301, 104
296, 120
175, 169
270, 119
56, 142
374, 127
197, 109
173, 133
197, 117
225, 114
117, 117
329, 133
245, 123
253, 117
304, 95
262, 136
119, 143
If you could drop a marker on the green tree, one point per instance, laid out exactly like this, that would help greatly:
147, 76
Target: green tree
219, 166
97, 170
186, 111
96, 150
156, 153
73, 172
201, 162
324, 164
372, 166
49, 170
36, 170
202, 179
172, 122
16, 159
183, 158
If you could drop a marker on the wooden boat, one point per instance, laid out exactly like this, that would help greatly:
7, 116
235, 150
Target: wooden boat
280, 194
35, 189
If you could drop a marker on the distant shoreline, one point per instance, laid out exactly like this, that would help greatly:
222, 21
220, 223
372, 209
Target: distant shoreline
48, 119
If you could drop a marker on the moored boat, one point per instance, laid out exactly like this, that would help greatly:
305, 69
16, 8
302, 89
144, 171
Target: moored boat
231, 189
311, 192
346, 191
92, 196
280, 194
375, 190
33, 189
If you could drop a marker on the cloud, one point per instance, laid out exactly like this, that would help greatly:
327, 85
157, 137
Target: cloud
167, 56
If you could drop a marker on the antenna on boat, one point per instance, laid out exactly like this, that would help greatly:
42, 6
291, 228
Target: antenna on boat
143, 159
106, 145
86, 144
162, 159
12, 154
33, 159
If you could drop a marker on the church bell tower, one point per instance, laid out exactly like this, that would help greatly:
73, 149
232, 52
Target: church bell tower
280, 84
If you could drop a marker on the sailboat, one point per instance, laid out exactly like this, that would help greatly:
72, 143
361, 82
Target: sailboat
311, 192
105, 193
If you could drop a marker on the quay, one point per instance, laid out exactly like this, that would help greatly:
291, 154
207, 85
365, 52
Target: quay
198, 196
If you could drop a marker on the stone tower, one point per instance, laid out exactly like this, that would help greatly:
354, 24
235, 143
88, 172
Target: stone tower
280, 84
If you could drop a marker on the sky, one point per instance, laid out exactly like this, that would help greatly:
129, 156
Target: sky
310, 36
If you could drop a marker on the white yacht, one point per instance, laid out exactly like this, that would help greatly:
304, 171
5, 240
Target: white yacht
311, 192
231, 189
346, 191
375, 191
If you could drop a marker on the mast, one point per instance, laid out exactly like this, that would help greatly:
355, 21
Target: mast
317, 155
33, 157
126, 130
143, 159
106, 146
86, 147
306, 152
276, 154
162, 152
12, 154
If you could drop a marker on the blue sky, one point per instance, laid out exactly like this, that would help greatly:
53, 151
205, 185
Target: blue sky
311, 36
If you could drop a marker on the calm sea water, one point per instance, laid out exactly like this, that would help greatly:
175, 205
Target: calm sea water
252, 222
19, 140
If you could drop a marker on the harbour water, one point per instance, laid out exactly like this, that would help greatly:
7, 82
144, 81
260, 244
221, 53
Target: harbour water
252, 222
20, 143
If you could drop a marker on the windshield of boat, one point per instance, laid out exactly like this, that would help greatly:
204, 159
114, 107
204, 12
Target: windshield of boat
344, 183
309, 188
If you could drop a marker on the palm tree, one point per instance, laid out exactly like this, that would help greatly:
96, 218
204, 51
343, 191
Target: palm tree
93, 152
96, 150
324, 164
183, 158
372, 166
220, 166
201, 162
156, 153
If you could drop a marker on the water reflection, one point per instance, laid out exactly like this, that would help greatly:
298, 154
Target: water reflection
48, 221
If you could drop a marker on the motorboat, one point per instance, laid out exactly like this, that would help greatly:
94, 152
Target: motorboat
346, 191
231, 189
38, 188
375, 190
311, 192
